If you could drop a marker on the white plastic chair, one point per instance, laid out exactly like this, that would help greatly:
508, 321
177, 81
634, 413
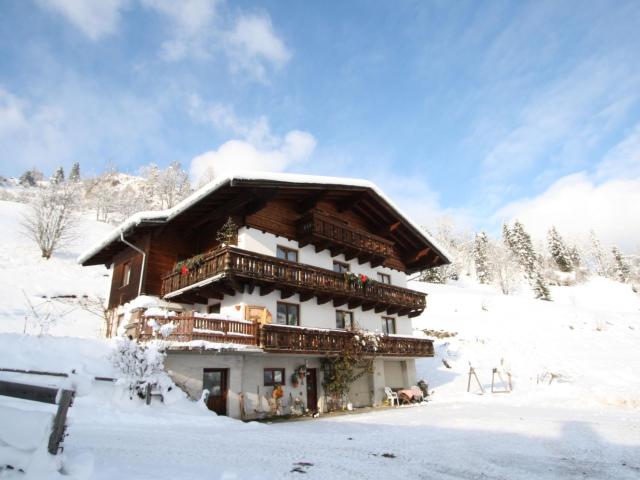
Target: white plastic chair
391, 396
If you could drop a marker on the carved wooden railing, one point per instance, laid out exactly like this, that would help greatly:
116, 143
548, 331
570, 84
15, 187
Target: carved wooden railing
293, 276
319, 226
287, 339
189, 327
277, 338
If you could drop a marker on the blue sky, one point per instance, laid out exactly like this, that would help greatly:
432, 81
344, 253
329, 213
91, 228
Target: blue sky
482, 111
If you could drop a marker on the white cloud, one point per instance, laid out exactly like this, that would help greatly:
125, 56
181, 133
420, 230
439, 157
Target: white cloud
575, 205
253, 41
192, 22
96, 19
234, 155
249, 41
623, 160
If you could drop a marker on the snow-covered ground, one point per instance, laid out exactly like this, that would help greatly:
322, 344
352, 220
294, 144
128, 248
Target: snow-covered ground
585, 424
30, 283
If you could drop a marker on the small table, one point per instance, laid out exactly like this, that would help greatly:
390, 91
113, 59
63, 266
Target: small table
409, 395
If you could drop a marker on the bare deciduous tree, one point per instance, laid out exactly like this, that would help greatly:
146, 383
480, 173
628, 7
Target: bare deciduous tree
51, 219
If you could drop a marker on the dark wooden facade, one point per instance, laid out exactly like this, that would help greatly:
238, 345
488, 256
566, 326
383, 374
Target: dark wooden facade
351, 220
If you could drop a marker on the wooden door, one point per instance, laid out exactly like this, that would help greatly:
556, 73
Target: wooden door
215, 382
312, 389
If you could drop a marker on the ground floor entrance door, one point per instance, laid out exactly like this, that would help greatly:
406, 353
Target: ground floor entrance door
312, 389
215, 382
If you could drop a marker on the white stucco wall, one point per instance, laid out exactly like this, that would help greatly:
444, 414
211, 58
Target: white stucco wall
311, 314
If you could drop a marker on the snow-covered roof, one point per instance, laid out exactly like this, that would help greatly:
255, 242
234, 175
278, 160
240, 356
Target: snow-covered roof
163, 216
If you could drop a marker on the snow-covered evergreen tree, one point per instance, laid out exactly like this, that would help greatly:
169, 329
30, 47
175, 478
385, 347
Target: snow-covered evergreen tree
559, 251
27, 179
621, 267
58, 176
481, 258
600, 262
519, 242
433, 275
74, 175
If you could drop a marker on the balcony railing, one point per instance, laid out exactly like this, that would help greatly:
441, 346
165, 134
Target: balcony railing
190, 327
278, 338
323, 230
263, 270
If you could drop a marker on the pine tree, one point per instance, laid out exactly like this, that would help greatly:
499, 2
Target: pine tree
228, 233
519, 242
74, 176
559, 251
600, 262
27, 179
58, 177
622, 269
575, 257
481, 258
433, 275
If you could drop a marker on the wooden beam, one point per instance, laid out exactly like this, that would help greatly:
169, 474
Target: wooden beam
415, 313
351, 201
377, 261
266, 289
354, 304
284, 293
304, 296
403, 312
311, 202
379, 308
337, 250
338, 302
251, 286
394, 226
322, 299
225, 209
350, 254
393, 310
416, 256
367, 306
235, 284
320, 246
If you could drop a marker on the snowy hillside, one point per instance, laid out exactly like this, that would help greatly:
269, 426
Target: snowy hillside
27, 280
587, 338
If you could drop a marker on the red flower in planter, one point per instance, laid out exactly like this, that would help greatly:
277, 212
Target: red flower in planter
184, 270
363, 278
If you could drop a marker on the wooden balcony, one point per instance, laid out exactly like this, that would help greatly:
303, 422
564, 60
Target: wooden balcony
228, 269
190, 327
327, 232
275, 338
286, 339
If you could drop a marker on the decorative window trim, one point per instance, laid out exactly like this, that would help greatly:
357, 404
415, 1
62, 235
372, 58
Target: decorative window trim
287, 251
385, 325
126, 274
351, 322
271, 382
344, 267
288, 305
384, 278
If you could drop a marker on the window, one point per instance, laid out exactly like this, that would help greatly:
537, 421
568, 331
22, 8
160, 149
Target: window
126, 274
388, 325
384, 278
288, 314
340, 267
344, 319
213, 308
287, 253
273, 376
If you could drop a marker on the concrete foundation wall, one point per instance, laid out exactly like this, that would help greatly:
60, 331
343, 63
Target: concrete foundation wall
246, 375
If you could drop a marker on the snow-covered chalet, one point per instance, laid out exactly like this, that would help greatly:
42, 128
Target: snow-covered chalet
254, 279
